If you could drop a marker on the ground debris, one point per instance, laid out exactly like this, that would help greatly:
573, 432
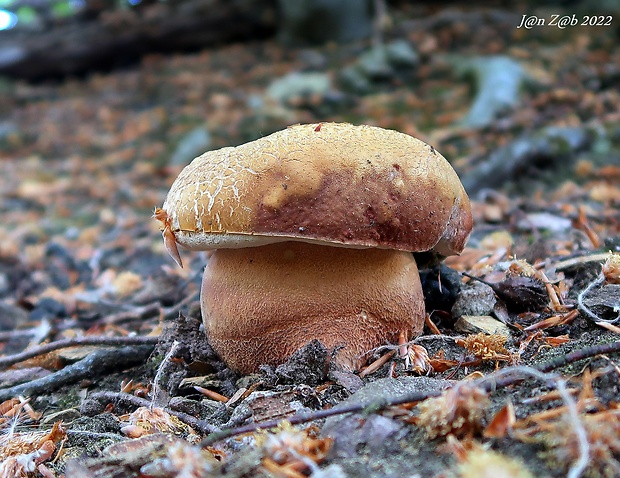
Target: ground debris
162, 453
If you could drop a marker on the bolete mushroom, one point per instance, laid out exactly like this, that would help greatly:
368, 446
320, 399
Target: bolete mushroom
312, 229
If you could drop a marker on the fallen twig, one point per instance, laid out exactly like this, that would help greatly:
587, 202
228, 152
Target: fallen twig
585, 309
98, 362
13, 334
173, 311
377, 364
568, 263
556, 303
136, 313
318, 415
126, 398
581, 354
96, 435
149, 310
60, 344
611, 327
158, 394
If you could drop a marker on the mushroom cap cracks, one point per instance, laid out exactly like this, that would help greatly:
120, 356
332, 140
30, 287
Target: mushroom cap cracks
333, 184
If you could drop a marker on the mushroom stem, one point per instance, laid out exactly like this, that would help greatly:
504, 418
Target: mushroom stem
260, 304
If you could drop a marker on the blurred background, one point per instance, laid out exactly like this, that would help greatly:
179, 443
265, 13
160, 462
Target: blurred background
102, 103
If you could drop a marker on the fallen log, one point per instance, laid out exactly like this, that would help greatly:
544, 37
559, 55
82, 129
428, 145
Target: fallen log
118, 37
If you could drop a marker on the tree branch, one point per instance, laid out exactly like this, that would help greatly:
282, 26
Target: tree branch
95, 364
60, 344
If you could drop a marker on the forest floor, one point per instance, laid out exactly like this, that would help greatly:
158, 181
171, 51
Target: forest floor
100, 331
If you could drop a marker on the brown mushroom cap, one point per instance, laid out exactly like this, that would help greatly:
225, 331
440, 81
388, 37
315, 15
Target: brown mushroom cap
333, 184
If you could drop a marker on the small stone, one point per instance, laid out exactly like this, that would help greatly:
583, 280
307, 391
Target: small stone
474, 299
205, 381
604, 301
102, 422
298, 85
47, 308
374, 63
401, 54
271, 405
351, 382
201, 409
375, 431
191, 145
11, 316
544, 221
331, 471
474, 324
354, 80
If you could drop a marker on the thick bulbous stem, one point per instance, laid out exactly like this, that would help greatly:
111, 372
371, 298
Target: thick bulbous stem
260, 304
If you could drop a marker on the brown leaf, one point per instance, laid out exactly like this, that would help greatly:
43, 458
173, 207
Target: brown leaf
502, 423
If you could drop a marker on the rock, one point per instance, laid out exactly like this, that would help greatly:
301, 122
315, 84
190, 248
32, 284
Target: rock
270, 405
66, 416
544, 221
373, 445
11, 54
331, 471
4, 284
354, 80
100, 423
194, 143
47, 308
401, 54
379, 64
473, 324
351, 382
313, 59
374, 392
159, 287
7, 128
11, 316
498, 80
299, 85
474, 299
202, 409
612, 244
206, 381
374, 63
519, 293
604, 301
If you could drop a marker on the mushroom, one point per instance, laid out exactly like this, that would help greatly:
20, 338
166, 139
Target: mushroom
312, 230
